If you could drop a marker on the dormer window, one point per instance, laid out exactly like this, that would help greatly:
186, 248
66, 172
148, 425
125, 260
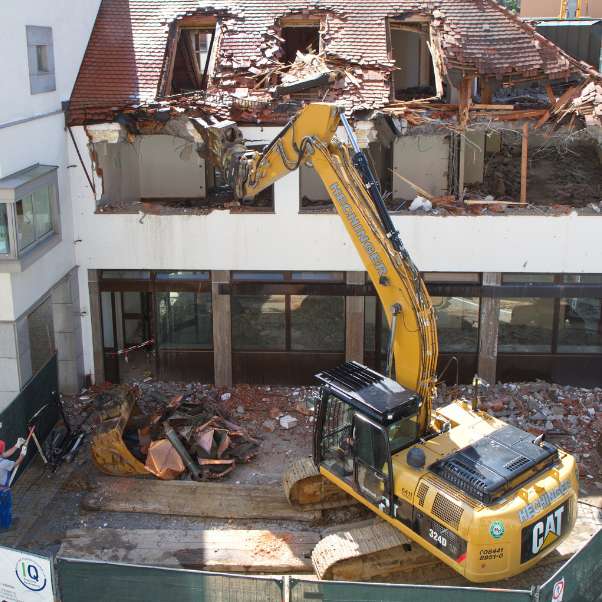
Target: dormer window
414, 75
191, 60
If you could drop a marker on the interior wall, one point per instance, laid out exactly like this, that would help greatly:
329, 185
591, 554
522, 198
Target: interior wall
121, 173
474, 157
406, 47
422, 159
170, 168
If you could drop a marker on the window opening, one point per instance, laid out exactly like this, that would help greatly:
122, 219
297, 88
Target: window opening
415, 74
304, 39
192, 59
42, 59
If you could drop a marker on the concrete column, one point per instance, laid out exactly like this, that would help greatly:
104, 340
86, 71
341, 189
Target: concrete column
67, 333
222, 330
488, 329
9, 364
354, 321
96, 322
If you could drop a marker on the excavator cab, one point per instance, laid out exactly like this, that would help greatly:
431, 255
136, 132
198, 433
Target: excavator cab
363, 418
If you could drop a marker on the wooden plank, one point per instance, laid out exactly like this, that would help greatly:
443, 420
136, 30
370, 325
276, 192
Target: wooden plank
252, 551
186, 498
490, 107
421, 191
524, 164
568, 95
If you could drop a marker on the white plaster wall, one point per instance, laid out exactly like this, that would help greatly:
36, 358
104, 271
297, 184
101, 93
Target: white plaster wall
71, 22
293, 241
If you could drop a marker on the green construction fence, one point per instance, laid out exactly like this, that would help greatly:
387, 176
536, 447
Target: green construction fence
578, 580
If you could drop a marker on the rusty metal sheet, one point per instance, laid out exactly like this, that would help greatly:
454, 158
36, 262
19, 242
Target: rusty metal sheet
164, 461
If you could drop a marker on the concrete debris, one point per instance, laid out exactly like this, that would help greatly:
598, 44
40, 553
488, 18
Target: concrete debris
269, 426
288, 422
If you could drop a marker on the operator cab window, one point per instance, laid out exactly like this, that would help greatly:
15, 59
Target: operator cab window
337, 444
403, 433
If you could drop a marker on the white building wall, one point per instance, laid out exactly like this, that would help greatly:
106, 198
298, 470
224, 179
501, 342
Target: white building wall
287, 240
71, 22
32, 130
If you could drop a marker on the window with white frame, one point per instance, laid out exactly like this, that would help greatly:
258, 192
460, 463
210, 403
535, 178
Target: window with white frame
28, 210
40, 56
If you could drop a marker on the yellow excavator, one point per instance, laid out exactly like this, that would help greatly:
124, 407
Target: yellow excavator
486, 498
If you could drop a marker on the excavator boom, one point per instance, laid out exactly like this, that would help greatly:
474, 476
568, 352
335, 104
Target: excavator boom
355, 193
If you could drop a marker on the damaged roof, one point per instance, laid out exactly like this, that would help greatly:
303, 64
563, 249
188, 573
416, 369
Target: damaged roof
127, 59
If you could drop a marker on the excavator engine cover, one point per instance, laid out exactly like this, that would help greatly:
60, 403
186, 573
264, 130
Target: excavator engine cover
496, 463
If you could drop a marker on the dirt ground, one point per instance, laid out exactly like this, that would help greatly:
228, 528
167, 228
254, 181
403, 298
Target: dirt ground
48, 504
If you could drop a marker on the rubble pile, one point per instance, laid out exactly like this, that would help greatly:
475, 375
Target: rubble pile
570, 417
194, 430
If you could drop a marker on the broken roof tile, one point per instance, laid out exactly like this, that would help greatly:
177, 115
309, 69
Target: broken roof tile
125, 60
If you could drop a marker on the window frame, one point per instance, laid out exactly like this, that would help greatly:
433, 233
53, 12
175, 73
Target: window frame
16, 188
40, 80
287, 284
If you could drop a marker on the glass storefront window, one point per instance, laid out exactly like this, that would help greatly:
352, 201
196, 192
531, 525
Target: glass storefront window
580, 325
527, 278
258, 322
457, 323
182, 275
318, 276
526, 325
376, 333
259, 276
317, 323
582, 278
184, 320
4, 239
452, 277
126, 274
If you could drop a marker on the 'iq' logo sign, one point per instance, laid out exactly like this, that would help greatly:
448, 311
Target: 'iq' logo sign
30, 574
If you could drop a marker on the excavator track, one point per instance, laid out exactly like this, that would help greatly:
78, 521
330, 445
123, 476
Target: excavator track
375, 550
307, 489
362, 551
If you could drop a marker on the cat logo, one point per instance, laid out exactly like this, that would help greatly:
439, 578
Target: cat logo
544, 532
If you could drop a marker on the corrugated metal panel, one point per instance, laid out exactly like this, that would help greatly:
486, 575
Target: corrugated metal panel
583, 40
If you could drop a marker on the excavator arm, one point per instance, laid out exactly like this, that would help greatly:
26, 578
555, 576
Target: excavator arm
309, 139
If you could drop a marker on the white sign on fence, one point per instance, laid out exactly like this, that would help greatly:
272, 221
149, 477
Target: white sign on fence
25, 577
